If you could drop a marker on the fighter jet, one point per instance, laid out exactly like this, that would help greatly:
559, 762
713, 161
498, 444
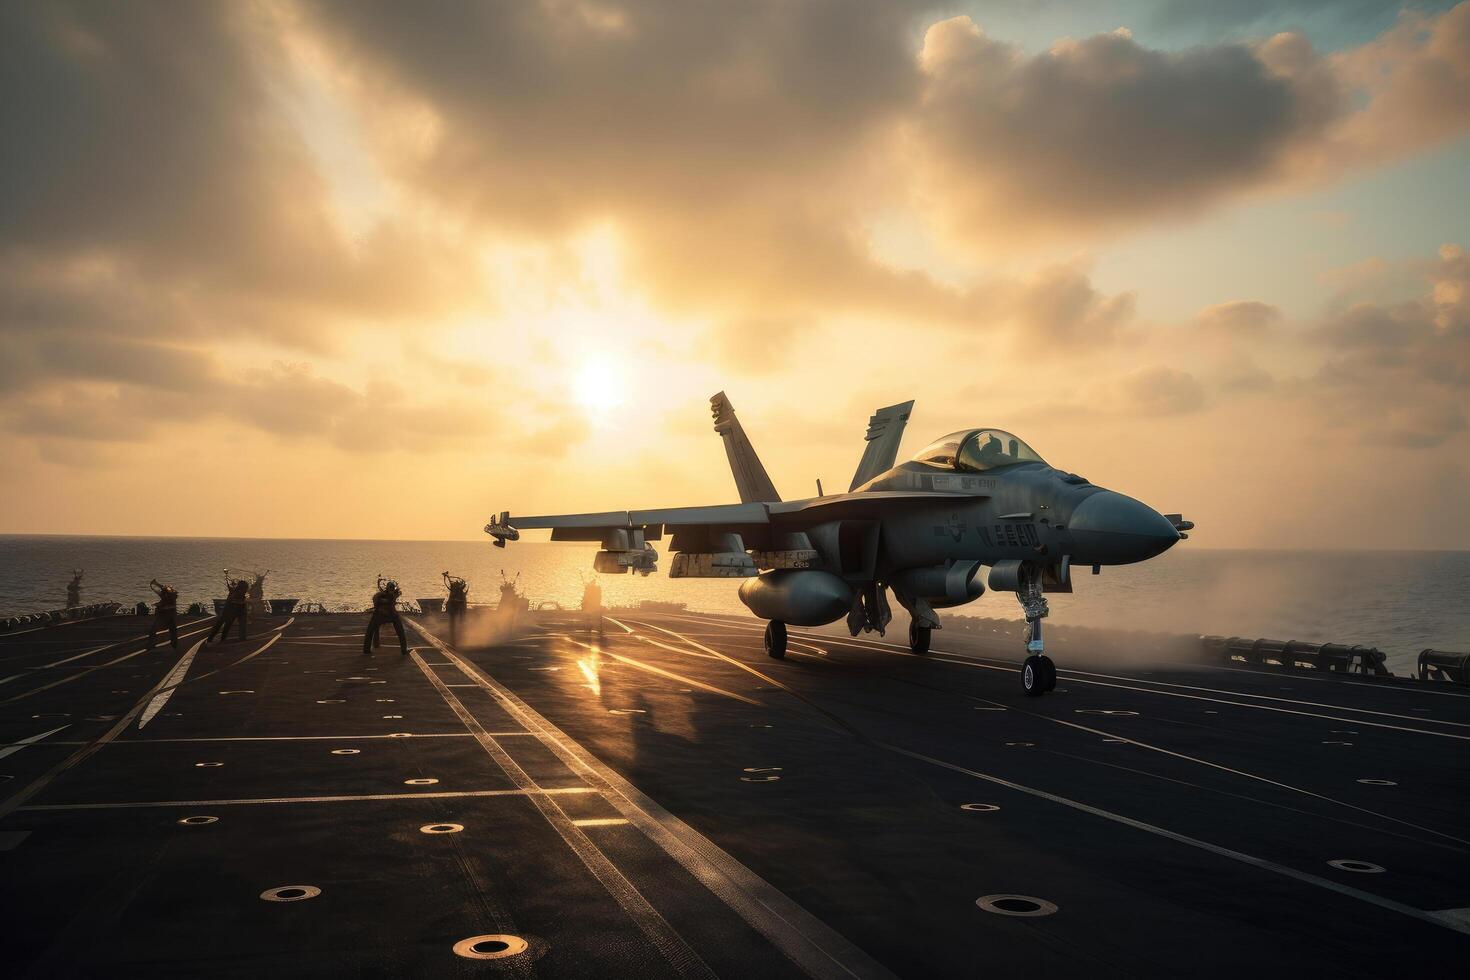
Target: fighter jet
924, 529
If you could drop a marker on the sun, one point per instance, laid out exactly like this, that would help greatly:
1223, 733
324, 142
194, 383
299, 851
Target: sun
598, 386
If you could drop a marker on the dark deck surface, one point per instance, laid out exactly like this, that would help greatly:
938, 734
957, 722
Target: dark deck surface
662, 799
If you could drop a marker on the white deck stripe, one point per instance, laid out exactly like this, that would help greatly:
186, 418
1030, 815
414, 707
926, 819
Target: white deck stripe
655, 928
808, 942
1432, 918
306, 738
17, 746
680, 678
964, 660
146, 804
170, 684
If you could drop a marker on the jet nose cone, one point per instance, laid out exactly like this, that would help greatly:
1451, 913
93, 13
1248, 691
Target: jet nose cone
1113, 529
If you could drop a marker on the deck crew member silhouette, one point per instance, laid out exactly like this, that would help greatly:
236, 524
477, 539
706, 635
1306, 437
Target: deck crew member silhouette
74, 589
384, 611
235, 608
257, 594
459, 593
165, 613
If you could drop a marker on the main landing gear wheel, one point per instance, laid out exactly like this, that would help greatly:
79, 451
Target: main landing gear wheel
1038, 675
776, 640
919, 638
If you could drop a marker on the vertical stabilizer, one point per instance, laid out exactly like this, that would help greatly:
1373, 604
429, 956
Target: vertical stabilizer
885, 431
751, 480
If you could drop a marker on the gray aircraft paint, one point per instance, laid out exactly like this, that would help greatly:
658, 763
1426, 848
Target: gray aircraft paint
992, 500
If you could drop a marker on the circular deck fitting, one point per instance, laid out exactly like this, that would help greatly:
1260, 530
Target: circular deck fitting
490, 947
1337, 743
419, 782
1209, 712
382, 700
1021, 745
1115, 712
979, 807
208, 765
196, 821
237, 692
762, 769
290, 893
346, 751
1022, 906
1378, 782
441, 828
390, 717
332, 701
1116, 741
400, 734
760, 779
1360, 867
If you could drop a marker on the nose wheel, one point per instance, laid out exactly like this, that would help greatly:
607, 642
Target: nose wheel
919, 638
776, 640
1038, 675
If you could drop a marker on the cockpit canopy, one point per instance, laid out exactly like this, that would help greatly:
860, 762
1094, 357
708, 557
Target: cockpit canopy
977, 450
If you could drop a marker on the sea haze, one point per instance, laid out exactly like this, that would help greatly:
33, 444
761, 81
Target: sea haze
1400, 602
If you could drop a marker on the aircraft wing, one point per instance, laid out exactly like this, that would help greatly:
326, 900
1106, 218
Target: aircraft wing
753, 520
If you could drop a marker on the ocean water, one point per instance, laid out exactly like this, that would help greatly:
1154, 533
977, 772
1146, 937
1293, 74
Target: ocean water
1400, 602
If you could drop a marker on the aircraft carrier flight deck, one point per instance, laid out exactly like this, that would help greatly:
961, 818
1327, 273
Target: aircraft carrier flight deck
649, 794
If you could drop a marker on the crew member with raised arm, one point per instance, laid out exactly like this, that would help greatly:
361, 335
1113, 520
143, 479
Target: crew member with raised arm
165, 613
385, 610
237, 595
459, 593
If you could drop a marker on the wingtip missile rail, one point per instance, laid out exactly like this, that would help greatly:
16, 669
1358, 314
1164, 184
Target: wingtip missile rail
501, 531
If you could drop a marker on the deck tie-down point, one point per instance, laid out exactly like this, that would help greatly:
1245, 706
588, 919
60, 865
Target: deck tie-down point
490, 947
1023, 906
1360, 867
290, 893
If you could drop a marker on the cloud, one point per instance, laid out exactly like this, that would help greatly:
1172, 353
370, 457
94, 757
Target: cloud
1059, 303
1100, 134
149, 159
1238, 319
1159, 390
286, 400
1401, 371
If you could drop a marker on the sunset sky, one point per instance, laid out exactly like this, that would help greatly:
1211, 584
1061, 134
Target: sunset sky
376, 270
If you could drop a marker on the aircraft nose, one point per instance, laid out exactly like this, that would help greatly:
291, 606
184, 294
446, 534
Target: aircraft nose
1114, 529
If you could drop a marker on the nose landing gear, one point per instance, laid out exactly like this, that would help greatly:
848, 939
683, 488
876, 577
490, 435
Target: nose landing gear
1038, 673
